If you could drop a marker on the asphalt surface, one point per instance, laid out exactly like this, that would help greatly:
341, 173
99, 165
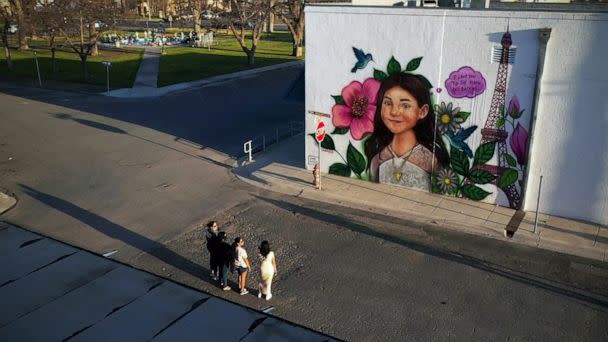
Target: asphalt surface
130, 175
85, 297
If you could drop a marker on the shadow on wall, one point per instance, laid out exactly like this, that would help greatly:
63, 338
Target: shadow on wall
570, 149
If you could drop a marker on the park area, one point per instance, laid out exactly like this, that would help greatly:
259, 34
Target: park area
177, 64
182, 64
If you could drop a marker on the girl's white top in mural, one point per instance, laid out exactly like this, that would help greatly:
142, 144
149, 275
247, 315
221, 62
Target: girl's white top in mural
411, 170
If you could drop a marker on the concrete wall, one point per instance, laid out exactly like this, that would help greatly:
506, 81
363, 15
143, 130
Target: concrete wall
569, 145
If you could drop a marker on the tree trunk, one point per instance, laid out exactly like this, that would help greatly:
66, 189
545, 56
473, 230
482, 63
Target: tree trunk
197, 21
83, 62
22, 30
93, 38
270, 27
53, 47
53, 60
250, 57
9, 60
251, 53
7, 50
298, 39
297, 50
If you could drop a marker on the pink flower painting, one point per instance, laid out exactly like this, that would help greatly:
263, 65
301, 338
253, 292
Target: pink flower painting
357, 112
519, 144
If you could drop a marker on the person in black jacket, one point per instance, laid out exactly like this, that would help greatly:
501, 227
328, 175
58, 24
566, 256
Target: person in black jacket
211, 235
225, 255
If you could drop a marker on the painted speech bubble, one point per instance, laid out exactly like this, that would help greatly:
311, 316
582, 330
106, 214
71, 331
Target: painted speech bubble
465, 82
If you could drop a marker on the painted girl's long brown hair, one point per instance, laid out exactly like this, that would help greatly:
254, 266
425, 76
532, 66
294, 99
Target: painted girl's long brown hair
424, 129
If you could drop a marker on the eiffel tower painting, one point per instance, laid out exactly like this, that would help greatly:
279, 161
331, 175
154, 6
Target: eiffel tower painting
492, 132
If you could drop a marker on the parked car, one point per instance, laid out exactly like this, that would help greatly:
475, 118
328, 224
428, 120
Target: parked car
209, 15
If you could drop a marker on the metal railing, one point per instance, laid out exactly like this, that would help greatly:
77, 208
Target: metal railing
260, 142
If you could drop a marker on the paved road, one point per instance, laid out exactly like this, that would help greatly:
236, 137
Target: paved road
53, 292
109, 174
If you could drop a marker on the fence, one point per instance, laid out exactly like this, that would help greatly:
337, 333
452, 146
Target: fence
261, 142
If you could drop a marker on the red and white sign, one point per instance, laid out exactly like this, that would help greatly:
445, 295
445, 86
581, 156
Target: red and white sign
320, 134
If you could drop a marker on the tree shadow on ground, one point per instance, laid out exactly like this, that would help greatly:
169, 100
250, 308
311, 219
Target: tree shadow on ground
121, 233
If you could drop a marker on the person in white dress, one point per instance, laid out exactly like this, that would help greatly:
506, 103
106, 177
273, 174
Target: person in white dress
268, 269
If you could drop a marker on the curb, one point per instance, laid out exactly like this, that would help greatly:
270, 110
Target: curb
143, 92
7, 202
523, 238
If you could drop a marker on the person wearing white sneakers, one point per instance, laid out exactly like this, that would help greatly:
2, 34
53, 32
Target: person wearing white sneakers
241, 263
268, 269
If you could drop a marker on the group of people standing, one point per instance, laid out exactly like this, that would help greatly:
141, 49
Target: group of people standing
225, 258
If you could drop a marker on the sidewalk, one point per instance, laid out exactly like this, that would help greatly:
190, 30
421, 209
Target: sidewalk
145, 82
6, 202
281, 169
54, 292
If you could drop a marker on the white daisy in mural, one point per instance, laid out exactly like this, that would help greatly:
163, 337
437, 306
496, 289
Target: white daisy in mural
447, 180
448, 120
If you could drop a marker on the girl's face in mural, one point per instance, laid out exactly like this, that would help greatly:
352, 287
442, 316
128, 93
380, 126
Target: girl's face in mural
400, 111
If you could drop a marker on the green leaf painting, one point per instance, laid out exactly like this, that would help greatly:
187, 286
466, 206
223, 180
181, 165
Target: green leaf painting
380, 75
484, 153
413, 64
355, 160
393, 66
327, 143
511, 161
474, 192
339, 100
501, 109
479, 176
459, 161
500, 122
339, 169
343, 130
463, 115
508, 177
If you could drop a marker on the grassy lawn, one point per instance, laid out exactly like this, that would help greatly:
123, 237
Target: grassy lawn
125, 63
183, 64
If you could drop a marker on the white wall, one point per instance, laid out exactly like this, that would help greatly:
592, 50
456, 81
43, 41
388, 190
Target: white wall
570, 144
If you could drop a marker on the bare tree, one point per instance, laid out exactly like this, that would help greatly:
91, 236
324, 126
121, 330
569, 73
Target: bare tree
244, 15
291, 12
7, 18
81, 16
49, 22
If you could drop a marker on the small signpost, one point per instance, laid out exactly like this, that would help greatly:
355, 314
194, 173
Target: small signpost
108, 65
320, 136
38, 69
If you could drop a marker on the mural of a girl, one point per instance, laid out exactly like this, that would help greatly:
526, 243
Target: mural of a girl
400, 150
